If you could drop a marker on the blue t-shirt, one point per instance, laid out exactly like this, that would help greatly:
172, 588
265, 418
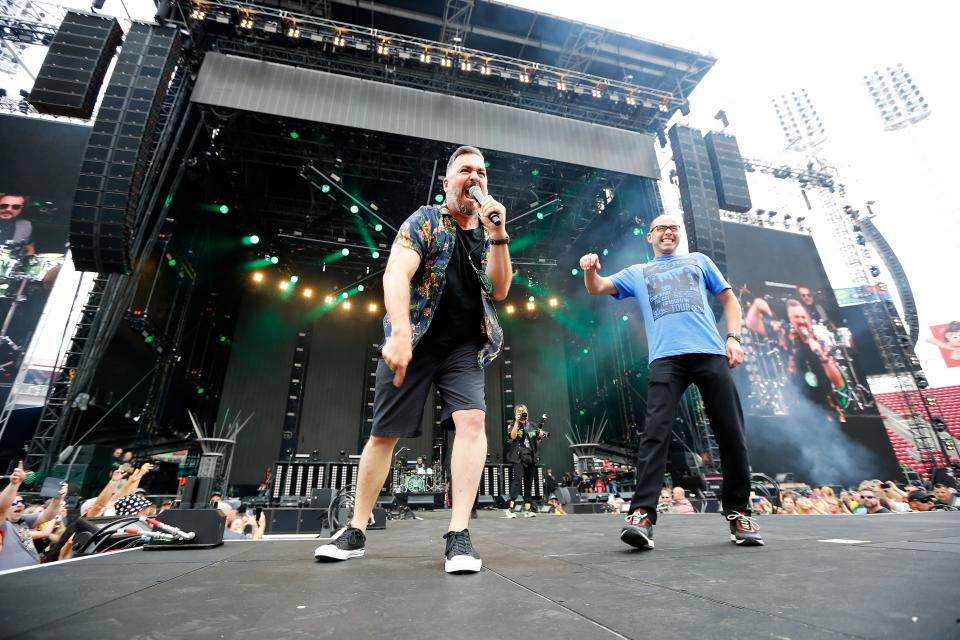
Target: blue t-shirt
672, 293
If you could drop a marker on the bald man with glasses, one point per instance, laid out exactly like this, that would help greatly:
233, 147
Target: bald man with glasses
685, 348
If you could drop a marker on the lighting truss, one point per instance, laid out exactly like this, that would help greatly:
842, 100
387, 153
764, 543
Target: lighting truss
376, 54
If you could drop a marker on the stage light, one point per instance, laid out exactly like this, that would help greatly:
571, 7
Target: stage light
539, 215
561, 85
383, 49
172, 262
294, 135
223, 338
250, 240
284, 285
308, 293
258, 277
486, 164
596, 93
446, 62
637, 231
530, 299
345, 251
465, 65
438, 198
274, 260
586, 351
198, 14
325, 188
378, 227
200, 390
346, 305
345, 295
360, 287
624, 317
583, 412
531, 306
294, 279
246, 23
606, 252
224, 209
574, 271
424, 57
375, 255
511, 308
631, 101
372, 307
535, 172
525, 78
354, 208
339, 41
485, 70
553, 302
328, 299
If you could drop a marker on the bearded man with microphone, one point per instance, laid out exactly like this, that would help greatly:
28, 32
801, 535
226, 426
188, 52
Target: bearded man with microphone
447, 266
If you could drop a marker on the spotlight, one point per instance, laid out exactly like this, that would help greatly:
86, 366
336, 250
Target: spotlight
293, 32
345, 251
284, 285
258, 277
596, 92
375, 255
274, 260
328, 299
372, 307
574, 271
360, 287
224, 209
308, 293
525, 78
511, 308
294, 279
531, 306
346, 305
345, 295
246, 23
378, 227
339, 41
531, 299
354, 208
554, 302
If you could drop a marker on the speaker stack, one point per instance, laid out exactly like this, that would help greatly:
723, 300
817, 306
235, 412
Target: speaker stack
115, 161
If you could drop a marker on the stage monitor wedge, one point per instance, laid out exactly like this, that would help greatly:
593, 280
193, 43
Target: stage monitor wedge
72, 74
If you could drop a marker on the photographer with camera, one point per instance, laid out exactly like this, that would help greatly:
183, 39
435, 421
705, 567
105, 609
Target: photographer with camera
524, 454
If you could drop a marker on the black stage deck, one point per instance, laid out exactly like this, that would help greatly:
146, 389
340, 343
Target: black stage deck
548, 577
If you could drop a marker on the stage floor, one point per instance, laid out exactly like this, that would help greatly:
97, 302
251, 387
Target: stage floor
546, 577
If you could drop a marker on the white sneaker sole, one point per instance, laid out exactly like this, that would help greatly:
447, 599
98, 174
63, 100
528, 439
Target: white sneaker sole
463, 564
746, 543
330, 552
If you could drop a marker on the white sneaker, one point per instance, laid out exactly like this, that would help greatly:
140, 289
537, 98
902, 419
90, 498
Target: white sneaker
509, 514
460, 555
346, 543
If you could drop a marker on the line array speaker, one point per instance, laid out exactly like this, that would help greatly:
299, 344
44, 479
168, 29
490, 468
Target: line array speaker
115, 161
71, 75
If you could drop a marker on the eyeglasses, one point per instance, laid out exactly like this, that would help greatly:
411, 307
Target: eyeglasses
14, 503
868, 497
15, 207
663, 228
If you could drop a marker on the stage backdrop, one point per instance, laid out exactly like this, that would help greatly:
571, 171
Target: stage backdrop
38, 176
334, 395
808, 407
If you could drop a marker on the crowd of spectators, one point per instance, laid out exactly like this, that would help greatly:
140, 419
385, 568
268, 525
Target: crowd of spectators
869, 497
45, 531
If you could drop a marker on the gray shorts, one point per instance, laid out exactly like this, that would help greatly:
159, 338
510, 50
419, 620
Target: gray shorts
398, 412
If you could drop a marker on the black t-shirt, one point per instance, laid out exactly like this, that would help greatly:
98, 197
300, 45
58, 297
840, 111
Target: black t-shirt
459, 314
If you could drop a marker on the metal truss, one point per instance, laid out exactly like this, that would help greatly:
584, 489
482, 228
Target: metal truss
16, 31
456, 21
581, 46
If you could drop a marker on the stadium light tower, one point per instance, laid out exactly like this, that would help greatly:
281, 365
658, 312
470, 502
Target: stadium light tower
799, 120
896, 97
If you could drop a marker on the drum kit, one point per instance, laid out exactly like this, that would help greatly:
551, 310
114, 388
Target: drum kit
419, 480
18, 272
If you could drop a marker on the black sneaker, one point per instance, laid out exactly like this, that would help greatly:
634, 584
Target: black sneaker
461, 556
744, 530
638, 531
346, 543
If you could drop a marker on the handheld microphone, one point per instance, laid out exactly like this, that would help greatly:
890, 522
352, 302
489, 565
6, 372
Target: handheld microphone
477, 194
150, 535
31, 476
180, 533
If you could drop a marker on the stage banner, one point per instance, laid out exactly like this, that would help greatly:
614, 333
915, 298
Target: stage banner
38, 176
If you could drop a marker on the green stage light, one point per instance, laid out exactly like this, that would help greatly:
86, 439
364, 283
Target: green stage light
438, 198
637, 231
486, 164
586, 351
223, 338
378, 227
624, 317
535, 172
354, 208
274, 260
375, 254
606, 252
539, 215
345, 251
530, 299
200, 390
148, 339
294, 279
325, 188
294, 135
172, 262
359, 287
224, 209
345, 295
583, 412
574, 271
254, 239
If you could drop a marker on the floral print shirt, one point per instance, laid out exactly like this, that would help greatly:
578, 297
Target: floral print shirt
432, 232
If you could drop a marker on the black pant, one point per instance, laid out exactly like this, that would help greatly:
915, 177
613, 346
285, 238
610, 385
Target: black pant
522, 473
669, 378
